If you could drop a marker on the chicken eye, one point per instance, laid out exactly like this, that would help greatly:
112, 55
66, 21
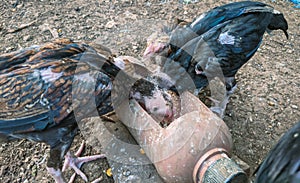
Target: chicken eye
155, 109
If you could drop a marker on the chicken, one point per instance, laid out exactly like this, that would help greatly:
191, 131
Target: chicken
217, 44
45, 90
282, 164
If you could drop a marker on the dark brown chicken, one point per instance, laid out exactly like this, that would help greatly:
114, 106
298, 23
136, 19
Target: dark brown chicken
45, 89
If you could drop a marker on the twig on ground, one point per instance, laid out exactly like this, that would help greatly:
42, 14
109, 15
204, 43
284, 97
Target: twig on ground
21, 27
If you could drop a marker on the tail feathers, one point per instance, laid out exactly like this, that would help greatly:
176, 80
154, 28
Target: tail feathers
279, 22
27, 124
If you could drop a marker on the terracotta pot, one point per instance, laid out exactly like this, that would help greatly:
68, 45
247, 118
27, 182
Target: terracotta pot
194, 147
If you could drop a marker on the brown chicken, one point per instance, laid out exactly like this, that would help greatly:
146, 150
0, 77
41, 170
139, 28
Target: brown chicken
45, 90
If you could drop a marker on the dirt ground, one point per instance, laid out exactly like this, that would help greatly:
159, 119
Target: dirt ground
265, 105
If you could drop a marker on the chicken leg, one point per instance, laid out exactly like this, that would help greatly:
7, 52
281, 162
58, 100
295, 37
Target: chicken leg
75, 162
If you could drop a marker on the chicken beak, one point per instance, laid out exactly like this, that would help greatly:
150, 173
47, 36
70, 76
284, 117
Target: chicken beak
149, 50
152, 48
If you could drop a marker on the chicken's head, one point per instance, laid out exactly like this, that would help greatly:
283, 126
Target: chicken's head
156, 43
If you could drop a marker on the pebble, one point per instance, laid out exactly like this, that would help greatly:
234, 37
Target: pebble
110, 24
126, 173
294, 107
27, 38
271, 103
9, 48
135, 47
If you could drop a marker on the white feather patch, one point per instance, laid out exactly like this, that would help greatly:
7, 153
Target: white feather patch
225, 38
49, 76
276, 12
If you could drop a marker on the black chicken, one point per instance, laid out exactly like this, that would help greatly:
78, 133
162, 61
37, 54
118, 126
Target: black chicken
282, 164
217, 44
45, 89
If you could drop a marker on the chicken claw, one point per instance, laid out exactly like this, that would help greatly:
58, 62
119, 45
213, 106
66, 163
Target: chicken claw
75, 162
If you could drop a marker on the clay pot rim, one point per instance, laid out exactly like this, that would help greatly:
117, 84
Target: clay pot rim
213, 155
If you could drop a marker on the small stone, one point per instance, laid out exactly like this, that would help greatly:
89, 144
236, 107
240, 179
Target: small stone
294, 107
126, 173
2, 170
27, 38
271, 103
9, 48
110, 24
135, 47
